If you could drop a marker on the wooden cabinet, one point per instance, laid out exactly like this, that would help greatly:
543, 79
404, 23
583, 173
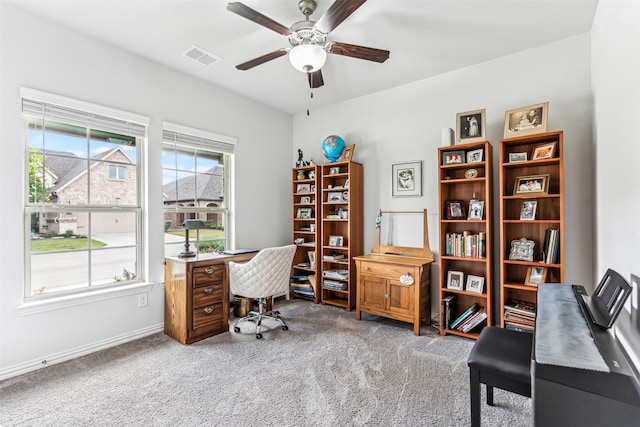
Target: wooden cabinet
341, 231
465, 175
384, 288
196, 296
305, 231
531, 205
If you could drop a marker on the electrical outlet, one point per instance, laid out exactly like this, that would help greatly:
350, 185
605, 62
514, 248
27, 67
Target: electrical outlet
142, 300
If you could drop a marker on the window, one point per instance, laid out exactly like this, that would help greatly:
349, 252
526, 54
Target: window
117, 173
83, 210
196, 185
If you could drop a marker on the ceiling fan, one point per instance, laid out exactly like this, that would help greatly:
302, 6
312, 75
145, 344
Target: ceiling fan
308, 39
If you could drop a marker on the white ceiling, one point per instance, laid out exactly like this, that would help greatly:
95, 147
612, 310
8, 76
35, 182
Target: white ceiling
425, 37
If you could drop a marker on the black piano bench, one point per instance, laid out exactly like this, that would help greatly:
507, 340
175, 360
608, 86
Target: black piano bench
499, 358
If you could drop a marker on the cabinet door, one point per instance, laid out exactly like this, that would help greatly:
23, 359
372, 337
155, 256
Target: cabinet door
401, 298
373, 292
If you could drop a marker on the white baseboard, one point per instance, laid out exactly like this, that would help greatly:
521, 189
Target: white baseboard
52, 359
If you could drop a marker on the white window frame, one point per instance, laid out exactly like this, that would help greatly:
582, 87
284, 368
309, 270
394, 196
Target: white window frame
212, 142
97, 117
118, 171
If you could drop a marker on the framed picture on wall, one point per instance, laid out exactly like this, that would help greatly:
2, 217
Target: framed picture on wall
406, 179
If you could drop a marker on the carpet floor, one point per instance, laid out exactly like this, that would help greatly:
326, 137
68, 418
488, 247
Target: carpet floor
328, 369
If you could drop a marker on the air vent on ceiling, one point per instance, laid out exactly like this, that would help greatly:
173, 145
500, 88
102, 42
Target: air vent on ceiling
202, 56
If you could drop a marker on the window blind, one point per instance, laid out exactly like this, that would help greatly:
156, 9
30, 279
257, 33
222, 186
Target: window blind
195, 138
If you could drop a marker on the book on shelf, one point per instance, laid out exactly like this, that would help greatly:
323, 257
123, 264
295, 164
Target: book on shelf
333, 257
447, 307
476, 319
522, 307
518, 327
336, 273
468, 312
465, 244
551, 246
333, 284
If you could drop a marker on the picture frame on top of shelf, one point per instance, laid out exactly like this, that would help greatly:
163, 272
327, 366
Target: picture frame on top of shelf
335, 240
455, 280
470, 126
303, 188
406, 179
475, 284
334, 170
517, 157
476, 209
305, 199
453, 158
544, 151
535, 276
304, 213
347, 153
521, 250
527, 120
528, 211
334, 196
455, 209
531, 184
474, 156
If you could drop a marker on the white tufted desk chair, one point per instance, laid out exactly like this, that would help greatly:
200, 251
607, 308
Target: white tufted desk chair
265, 275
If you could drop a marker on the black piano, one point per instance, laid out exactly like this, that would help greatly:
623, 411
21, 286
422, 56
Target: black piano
580, 373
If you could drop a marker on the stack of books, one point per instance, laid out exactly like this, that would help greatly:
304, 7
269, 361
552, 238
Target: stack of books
551, 247
333, 257
470, 319
336, 273
465, 244
520, 310
447, 307
303, 285
334, 284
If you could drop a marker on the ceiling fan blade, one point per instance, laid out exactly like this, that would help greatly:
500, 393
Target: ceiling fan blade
360, 52
315, 79
252, 15
262, 59
337, 12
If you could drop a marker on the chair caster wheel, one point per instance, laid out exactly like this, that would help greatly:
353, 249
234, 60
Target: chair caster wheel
258, 336
236, 329
275, 312
285, 328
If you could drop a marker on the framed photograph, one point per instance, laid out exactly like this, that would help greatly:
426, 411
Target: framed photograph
304, 213
334, 196
455, 280
528, 211
347, 153
475, 284
471, 173
453, 157
455, 209
544, 151
531, 184
335, 240
470, 126
312, 259
406, 179
521, 250
474, 156
312, 189
526, 120
535, 276
476, 209
303, 188
345, 196
517, 157
305, 199
334, 170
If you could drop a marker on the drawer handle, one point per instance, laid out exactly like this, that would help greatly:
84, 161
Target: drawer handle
366, 267
209, 309
208, 290
209, 270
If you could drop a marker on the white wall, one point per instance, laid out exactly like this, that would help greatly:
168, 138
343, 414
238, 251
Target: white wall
405, 123
41, 55
616, 82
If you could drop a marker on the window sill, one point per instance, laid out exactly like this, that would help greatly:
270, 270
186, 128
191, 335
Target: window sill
35, 307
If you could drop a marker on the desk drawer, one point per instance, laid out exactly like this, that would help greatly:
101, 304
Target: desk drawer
207, 295
203, 276
208, 314
384, 270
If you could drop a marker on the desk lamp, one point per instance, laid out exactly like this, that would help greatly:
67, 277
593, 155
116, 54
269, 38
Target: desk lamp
190, 224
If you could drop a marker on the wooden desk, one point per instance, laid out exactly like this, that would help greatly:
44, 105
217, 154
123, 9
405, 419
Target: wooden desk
380, 291
196, 296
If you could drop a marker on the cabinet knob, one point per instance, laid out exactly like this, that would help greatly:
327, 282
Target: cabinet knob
366, 267
208, 290
386, 295
209, 309
209, 270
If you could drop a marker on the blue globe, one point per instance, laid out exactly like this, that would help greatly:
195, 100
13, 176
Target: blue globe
332, 147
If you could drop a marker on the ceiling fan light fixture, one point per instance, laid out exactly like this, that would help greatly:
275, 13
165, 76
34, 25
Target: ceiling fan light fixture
307, 58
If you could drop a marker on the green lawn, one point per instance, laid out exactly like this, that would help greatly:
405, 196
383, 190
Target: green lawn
205, 234
47, 245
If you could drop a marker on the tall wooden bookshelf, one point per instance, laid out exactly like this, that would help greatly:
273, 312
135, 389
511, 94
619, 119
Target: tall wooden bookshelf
341, 206
465, 241
305, 231
531, 202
